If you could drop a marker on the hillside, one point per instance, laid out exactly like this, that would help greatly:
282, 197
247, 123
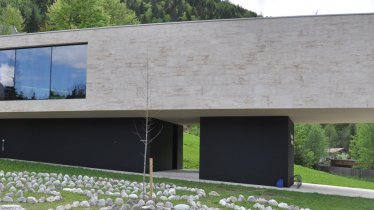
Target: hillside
191, 151
153, 11
35, 14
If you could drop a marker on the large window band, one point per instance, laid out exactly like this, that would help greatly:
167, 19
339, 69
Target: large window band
57, 72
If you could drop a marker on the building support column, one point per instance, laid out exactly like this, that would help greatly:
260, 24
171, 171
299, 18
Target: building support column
253, 150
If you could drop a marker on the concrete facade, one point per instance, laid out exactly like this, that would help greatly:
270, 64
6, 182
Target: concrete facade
313, 69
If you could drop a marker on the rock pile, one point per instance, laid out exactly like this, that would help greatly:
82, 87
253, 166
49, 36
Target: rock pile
259, 203
121, 194
114, 194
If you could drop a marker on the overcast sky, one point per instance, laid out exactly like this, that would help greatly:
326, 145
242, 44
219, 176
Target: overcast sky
306, 7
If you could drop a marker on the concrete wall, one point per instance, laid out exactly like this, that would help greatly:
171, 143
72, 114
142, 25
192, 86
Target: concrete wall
305, 67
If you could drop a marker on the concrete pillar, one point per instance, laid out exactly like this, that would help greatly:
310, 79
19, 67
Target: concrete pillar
253, 150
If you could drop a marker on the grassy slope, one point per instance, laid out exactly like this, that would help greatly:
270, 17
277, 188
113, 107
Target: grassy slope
311, 200
191, 160
319, 177
191, 151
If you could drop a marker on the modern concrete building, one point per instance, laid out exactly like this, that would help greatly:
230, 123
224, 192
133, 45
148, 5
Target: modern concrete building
74, 97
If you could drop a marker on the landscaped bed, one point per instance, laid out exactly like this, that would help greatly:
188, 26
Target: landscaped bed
312, 201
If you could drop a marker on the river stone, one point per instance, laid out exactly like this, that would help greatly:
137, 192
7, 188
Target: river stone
7, 199
119, 201
60, 208
169, 205
222, 202
32, 200
136, 207
181, 207
213, 193
163, 198
150, 202
262, 201
273, 202
258, 206
11, 207
125, 207
172, 197
141, 202
283, 205
21, 200
133, 196
68, 206
148, 207
251, 199
292, 207
232, 199
93, 201
12, 189
101, 202
41, 200
109, 202
19, 194
84, 204
51, 199
75, 204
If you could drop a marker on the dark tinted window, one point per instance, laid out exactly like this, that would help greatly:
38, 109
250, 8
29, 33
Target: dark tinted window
7, 66
68, 78
43, 73
33, 72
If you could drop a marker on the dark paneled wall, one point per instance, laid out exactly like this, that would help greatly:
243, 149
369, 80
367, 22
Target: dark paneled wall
163, 148
178, 147
255, 150
109, 143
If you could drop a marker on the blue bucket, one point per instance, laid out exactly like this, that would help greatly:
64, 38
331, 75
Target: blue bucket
280, 183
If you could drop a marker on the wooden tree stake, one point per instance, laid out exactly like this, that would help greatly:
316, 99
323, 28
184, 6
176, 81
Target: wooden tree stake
151, 177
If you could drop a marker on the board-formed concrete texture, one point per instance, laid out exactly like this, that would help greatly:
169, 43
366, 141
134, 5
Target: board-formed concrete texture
312, 68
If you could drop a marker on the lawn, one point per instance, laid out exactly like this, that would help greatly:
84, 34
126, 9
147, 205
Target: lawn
191, 151
191, 161
320, 177
310, 200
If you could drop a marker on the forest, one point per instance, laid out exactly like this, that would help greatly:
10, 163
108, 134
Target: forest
45, 15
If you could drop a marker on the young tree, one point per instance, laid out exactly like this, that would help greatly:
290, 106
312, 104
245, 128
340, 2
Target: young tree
332, 136
10, 17
362, 145
119, 13
310, 144
149, 133
345, 133
73, 14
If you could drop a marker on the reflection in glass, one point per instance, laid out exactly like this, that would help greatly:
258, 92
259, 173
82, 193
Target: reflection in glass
32, 73
43, 73
68, 79
7, 63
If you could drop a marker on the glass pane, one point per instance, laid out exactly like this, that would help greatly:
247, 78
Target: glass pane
33, 67
69, 64
7, 62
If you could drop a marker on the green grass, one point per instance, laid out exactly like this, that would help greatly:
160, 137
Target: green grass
191, 151
191, 161
320, 177
310, 200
